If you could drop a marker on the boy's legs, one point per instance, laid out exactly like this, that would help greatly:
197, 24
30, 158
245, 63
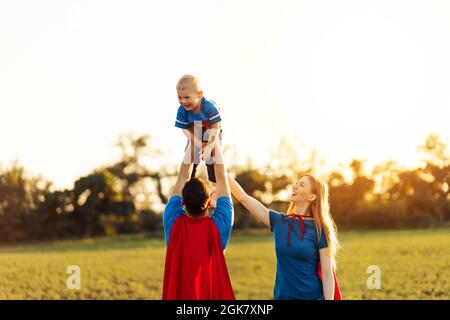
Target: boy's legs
210, 169
194, 170
196, 159
212, 179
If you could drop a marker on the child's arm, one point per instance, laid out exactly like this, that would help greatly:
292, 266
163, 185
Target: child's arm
191, 137
213, 135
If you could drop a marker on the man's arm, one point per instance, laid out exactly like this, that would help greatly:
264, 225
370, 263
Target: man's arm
185, 172
223, 214
222, 186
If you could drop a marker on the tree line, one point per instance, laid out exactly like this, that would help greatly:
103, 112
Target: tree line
127, 197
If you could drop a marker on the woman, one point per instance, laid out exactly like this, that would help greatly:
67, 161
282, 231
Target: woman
305, 240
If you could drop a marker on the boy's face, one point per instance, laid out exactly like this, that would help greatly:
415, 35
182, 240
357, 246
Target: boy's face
189, 98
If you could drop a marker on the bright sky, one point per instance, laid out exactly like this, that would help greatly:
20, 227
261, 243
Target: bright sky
366, 79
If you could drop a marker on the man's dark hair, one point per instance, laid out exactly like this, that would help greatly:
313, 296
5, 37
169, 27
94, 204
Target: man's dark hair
195, 196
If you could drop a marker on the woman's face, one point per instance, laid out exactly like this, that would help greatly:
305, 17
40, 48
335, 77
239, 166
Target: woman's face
301, 191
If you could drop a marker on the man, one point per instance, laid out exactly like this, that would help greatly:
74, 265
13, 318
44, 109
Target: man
195, 267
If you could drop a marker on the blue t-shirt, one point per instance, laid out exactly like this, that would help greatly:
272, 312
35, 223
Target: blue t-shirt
208, 112
222, 216
296, 277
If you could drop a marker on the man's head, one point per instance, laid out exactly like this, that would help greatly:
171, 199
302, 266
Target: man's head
189, 92
196, 196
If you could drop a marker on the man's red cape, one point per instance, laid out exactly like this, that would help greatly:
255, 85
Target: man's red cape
337, 291
195, 266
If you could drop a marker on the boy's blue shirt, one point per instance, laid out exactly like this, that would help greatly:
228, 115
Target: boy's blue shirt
208, 112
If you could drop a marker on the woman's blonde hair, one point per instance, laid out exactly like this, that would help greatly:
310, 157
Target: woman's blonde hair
320, 210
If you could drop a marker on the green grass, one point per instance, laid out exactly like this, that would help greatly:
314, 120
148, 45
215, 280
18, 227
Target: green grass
415, 264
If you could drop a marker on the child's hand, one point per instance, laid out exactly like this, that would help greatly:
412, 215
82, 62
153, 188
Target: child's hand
206, 152
197, 143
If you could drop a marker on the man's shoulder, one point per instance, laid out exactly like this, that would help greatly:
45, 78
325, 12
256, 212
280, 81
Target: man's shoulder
224, 199
174, 198
174, 203
223, 203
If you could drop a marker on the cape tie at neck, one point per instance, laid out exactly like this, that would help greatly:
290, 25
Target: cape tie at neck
291, 224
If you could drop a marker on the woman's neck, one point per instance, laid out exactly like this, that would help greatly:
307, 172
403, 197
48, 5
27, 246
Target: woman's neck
302, 210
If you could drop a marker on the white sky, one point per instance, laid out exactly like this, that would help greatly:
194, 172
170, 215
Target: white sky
366, 79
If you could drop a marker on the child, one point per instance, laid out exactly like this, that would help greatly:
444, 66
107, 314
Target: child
200, 120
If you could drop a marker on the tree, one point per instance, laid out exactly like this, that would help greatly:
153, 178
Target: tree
20, 197
99, 206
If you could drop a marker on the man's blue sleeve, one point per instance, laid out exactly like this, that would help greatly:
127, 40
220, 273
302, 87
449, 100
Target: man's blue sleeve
173, 210
181, 121
223, 217
213, 113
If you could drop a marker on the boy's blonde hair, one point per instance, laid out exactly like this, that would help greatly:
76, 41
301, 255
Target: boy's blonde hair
188, 80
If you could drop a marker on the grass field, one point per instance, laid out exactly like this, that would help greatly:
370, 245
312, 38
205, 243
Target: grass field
415, 264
